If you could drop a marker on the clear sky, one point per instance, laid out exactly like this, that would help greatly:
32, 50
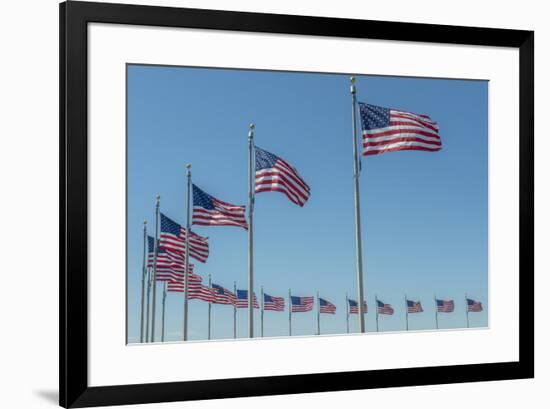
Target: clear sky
424, 215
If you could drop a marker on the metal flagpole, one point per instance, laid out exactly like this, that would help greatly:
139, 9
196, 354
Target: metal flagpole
358, 243
467, 311
436, 317
262, 312
154, 301
318, 315
251, 176
235, 310
376, 306
406, 312
289, 313
143, 278
148, 315
163, 311
347, 314
210, 308
187, 237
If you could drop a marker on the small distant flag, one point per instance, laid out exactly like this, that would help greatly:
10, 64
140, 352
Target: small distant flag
474, 306
178, 284
414, 307
274, 174
388, 130
445, 305
301, 304
242, 299
382, 308
272, 303
209, 211
170, 265
173, 236
222, 295
326, 307
354, 307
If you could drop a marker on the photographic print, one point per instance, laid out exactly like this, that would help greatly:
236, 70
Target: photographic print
271, 203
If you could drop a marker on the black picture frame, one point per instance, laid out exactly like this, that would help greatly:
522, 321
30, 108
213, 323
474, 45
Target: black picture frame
73, 257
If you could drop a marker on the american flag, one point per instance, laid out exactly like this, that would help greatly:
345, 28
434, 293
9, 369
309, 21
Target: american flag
222, 295
173, 236
242, 299
274, 174
326, 307
209, 211
474, 306
301, 304
197, 290
414, 307
354, 307
388, 130
382, 308
272, 303
445, 305
170, 265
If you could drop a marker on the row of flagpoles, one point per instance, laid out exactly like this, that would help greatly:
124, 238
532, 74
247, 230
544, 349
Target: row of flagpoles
384, 130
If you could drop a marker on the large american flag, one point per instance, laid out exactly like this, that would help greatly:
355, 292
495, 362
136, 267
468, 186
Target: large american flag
209, 211
170, 265
354, 307
388, 130
326, 307
274, 174
173, 236
445, 305
222, 295
273, 303
414, 307
242, 299
301, 304
474, 306
382, 308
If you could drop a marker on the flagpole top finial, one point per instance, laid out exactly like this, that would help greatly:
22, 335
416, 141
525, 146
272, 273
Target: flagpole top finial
352, 80
145, 223
252, 126
188, 166
158, 197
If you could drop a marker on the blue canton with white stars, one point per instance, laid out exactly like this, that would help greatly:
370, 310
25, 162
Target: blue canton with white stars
264, 159
167, 225
202, 199
374, 117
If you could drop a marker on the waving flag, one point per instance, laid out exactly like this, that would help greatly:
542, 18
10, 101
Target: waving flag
272, 303
173, 236
354, 307
222, 295
388, 130
445, 305
382, 308
301, 304
242, 299
474, 306
170, 265
414, 307
197, 290
274, 174
326, 307
209, 211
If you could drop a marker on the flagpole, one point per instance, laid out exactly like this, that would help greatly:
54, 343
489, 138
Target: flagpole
251, 175
436, 316
318, 315
210, 308
235, 310
148, 315
163, 311
467, 311
262, 315
358, 242
143, 278
376, 302
406, 312
347, 314
289, 313
187, 237
154, 301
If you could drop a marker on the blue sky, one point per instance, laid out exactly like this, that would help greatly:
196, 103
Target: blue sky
424, 215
